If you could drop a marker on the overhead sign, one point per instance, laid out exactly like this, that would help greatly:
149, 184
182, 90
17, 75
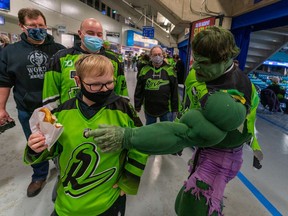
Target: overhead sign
202, 24
113, 34
148, 31
61, 29
136, 39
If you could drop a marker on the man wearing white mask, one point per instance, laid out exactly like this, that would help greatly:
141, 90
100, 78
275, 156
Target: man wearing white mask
157, 89
59, 83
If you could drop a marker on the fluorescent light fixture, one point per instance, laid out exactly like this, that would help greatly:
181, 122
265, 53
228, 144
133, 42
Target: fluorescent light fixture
274, 63
166, 22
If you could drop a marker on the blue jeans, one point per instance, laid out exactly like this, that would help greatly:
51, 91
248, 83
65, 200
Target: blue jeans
151, 119
41, 169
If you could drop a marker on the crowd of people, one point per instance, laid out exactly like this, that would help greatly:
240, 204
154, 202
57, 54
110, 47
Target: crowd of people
85, 88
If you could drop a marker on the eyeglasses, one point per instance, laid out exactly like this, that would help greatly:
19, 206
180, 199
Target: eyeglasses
98, 86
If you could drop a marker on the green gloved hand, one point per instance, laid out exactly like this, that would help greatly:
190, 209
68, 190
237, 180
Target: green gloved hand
108, 138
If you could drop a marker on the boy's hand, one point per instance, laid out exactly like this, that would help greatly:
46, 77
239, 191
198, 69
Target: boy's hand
122, 193
37, 142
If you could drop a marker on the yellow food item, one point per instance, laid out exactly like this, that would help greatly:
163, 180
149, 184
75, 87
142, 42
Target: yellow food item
48, 115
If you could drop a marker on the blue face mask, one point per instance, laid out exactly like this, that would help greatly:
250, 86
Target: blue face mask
37, 34
92, 43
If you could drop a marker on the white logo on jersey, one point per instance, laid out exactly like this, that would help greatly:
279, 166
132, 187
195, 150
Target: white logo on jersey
38, 66
68, 63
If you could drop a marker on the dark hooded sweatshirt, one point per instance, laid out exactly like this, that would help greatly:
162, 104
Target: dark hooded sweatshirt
22, 67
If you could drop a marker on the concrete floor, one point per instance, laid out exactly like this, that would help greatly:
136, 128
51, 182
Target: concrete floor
163, 177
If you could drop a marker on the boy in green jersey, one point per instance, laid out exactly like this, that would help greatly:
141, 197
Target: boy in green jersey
91, 183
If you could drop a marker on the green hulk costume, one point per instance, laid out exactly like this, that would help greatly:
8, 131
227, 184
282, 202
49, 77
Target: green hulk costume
220, 119
87, 175
59, 84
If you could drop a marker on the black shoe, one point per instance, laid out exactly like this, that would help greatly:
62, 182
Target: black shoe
35, 187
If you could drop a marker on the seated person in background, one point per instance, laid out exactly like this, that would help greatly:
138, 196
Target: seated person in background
91, 183
279, 91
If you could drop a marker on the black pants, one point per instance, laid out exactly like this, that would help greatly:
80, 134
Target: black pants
117, 209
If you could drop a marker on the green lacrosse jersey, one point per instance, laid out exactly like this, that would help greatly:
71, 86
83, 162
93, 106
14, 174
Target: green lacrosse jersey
239, 86
59, 83
87, 175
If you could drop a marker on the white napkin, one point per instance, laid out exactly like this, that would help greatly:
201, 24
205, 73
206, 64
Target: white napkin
50, 131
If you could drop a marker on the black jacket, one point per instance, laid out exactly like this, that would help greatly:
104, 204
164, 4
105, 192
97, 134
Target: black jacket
157, 90
22, 66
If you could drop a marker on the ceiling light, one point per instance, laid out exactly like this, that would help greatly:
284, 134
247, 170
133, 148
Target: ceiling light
166, 22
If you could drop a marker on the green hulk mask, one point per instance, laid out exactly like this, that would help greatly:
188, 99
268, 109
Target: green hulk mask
206, 71
213, 53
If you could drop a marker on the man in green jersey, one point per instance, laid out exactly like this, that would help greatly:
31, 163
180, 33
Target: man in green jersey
91, 183
59, 82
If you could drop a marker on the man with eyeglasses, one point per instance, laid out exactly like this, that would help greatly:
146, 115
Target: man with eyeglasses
22, 68
59, 83
157, 89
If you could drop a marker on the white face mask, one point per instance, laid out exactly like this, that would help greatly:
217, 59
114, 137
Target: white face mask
158, 60
1, 44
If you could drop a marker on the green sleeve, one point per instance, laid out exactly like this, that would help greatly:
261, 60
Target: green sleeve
51, 95
133, 170
52, 82
194, 90
121, 85
31, 157
251, 119
134, 162
171, 137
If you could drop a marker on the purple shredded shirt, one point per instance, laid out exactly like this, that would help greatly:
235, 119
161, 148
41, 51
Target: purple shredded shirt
215, 167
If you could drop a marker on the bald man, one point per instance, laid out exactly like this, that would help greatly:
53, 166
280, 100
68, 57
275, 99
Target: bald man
59, 83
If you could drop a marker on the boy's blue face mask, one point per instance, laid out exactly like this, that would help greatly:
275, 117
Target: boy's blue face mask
37, 34
93, 43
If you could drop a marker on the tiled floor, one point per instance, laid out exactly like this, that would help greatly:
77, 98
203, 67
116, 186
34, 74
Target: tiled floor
162, 178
